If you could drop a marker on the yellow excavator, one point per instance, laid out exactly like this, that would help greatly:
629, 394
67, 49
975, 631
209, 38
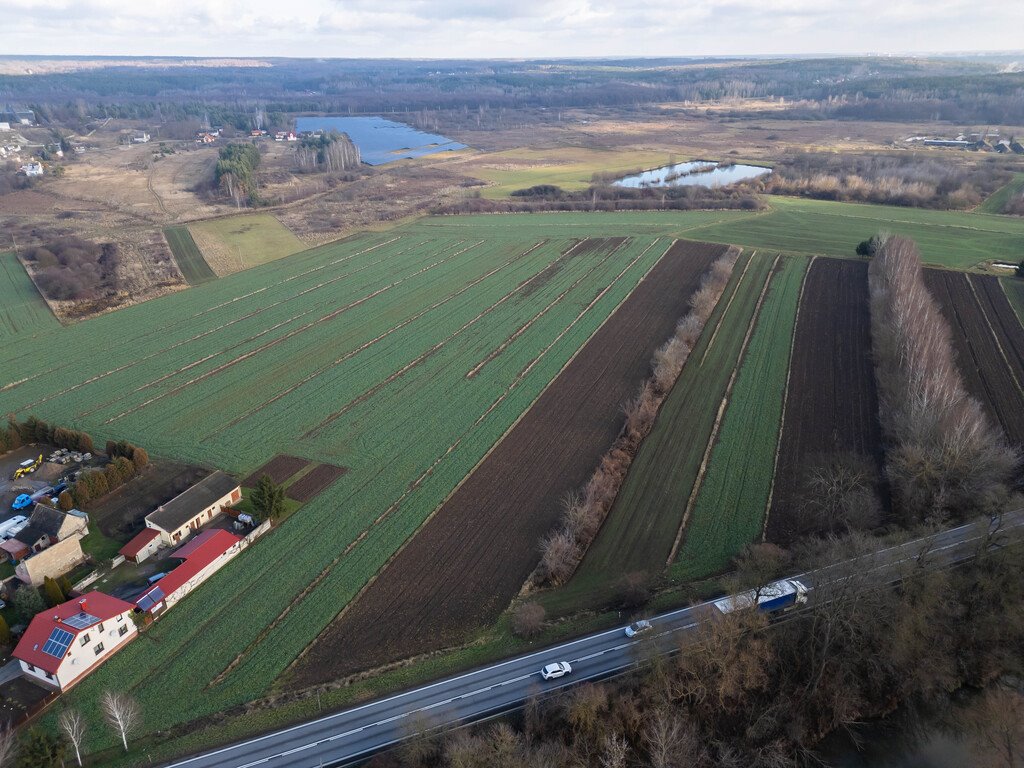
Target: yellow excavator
28, 466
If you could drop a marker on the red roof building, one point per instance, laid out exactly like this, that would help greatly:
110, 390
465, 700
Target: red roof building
142, 546
206, 554
65, 643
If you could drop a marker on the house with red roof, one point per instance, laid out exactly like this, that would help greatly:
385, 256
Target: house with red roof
201, 557
65, 643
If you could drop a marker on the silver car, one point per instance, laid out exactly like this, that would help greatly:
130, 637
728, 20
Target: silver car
558, 669
637, 627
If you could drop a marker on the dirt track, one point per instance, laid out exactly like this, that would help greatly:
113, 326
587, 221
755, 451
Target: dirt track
465, 566
832, 404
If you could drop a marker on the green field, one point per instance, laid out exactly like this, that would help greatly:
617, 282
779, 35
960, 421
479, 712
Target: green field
733, 499
354, 353
998, 200
1013, 287
22, 310
570, 168
187, 256
640, 529
947, 238
240, 242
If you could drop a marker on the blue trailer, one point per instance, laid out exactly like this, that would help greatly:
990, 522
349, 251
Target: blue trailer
779, 596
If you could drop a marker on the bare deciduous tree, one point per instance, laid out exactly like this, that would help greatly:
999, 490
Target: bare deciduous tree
72, 725
122, 712
528, 619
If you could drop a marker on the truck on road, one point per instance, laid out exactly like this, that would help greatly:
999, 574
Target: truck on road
778, 596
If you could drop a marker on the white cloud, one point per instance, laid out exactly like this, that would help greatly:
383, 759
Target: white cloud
501, 28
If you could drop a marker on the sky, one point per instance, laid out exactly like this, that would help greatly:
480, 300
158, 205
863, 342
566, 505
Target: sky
504, 28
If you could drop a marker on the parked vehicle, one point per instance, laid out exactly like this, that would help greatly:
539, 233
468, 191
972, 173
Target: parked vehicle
21, 501
555, 670
27, 467
779, 596
155, 578
638, 627
7, 526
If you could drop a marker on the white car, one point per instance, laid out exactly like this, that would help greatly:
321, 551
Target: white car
637, 627
559, 668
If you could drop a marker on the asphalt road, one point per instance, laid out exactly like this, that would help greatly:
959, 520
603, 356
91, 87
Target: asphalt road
355, 733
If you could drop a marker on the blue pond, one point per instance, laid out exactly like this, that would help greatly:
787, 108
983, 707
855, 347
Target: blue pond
380, 141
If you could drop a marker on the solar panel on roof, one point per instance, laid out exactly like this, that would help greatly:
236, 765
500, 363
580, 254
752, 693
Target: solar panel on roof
151, 599
58, 643
81, 620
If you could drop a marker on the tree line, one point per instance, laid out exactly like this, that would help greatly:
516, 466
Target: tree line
327, 152
944, 459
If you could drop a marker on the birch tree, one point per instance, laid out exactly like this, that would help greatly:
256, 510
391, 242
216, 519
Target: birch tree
122, 712
72, 725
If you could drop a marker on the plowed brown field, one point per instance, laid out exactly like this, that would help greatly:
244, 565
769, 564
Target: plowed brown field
988, 343
279, 469
832, 405
462, 569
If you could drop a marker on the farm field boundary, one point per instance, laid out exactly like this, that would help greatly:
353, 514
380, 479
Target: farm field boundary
23, 310
638, 533
188, 256
832, 387
988, 349
730, 509
443, 584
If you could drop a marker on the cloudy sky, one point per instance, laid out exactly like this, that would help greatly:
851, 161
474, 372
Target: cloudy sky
504, 28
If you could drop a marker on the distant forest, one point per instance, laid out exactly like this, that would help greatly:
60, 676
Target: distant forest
956, 90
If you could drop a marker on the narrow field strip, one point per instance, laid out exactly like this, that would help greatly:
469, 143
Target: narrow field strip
732, 506
698, 483
638, 533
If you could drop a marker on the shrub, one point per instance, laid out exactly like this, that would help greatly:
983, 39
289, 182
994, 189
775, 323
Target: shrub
528, 620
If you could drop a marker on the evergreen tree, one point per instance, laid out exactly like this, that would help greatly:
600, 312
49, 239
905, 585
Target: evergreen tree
65, 585
268, 499
54, 594
41, 749
27, 602
5, 633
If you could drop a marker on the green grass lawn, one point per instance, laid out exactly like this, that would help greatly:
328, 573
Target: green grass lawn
253, 239
998, 199
733, 499
22, 310
640, 529
188, 256
955, 239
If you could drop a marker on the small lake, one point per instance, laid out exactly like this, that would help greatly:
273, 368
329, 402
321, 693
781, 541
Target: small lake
380, 141
696, 173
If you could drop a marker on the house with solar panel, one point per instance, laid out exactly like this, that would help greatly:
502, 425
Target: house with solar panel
202, 557
65, 643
